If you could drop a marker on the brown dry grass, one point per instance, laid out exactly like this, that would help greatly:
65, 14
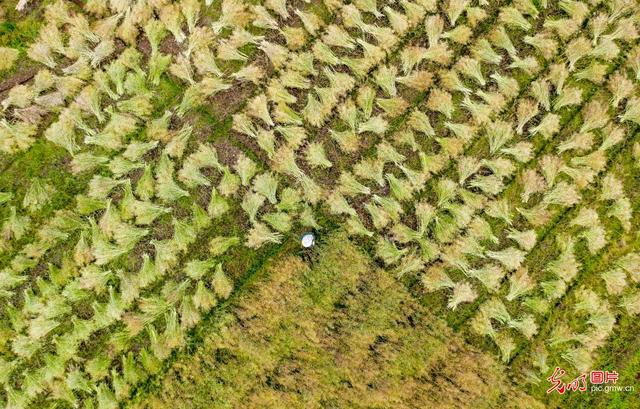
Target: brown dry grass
338, 334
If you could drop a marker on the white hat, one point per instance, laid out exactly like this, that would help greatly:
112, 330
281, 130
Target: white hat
307, 240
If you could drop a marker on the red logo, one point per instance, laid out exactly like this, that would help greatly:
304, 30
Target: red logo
579, 384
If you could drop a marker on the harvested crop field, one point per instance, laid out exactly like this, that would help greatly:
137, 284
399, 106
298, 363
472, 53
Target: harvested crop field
469, 169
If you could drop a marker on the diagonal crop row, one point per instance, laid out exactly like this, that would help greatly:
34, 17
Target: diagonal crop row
604, 272
591, 234
90, 99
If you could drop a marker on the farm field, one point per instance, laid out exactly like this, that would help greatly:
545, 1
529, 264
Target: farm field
470, 170
323, 335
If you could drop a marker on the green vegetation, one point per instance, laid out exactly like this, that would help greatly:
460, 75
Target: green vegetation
159, 160
338, 332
